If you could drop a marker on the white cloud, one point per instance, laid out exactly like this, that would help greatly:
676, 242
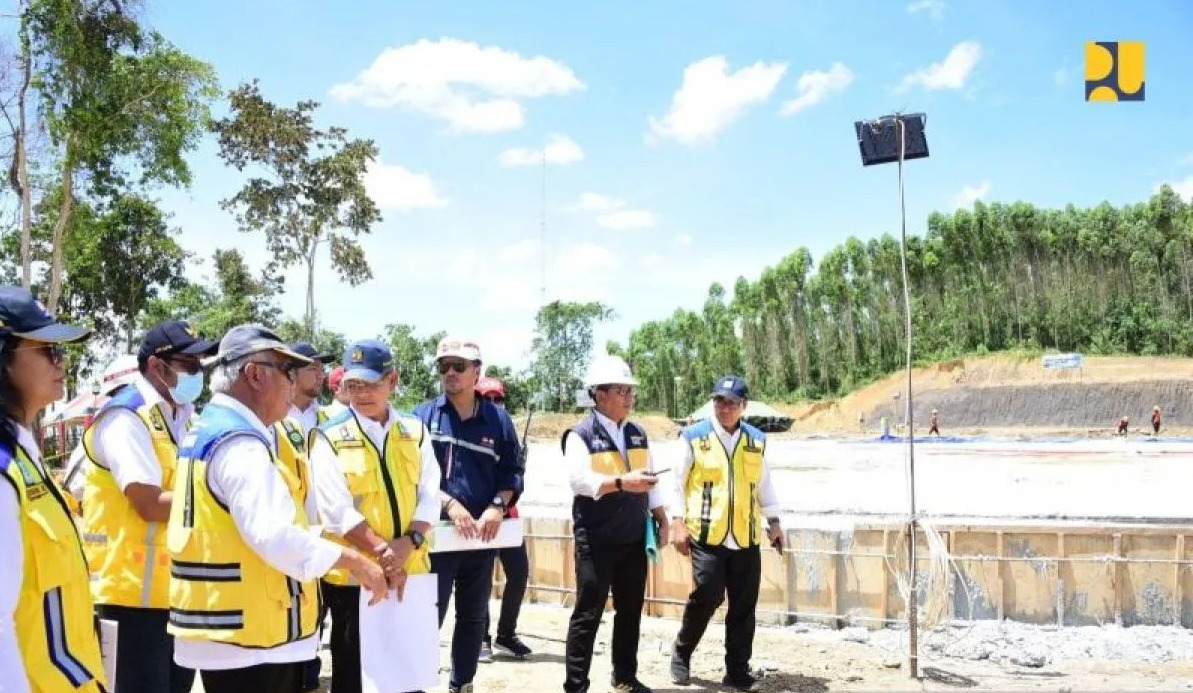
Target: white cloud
559, 149
1183, 188
395, 188
627, 219
613, 214
970, 194
505, 346
950, 73
711, 98
524, 249
934, 8
817, 85
472, 88
683, 240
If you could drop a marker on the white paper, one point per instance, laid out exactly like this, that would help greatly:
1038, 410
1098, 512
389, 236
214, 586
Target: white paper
107, 651
399, 641
444, 537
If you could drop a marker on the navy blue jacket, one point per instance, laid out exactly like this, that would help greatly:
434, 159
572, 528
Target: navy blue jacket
478, 458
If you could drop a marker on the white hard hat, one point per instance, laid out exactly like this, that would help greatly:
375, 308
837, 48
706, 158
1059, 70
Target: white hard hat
122, 371
458, 347
609, 370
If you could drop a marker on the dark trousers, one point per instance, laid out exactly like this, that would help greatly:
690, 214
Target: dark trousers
471, 574
599, 569
145, 652
717, 572
516, 565
262, 678
343, 602
312, 669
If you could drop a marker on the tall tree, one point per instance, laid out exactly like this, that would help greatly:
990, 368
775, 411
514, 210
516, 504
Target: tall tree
562, 347
414, 356
312, 193
120, 103
232, 297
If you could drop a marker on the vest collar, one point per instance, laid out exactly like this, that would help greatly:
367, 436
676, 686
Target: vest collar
245, 413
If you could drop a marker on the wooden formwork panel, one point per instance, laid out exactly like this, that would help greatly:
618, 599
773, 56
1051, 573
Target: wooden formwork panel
552, 561
668, 584
1183, 577
772, 592
1030, 577
866, 584
978, 583
1148, 590
1087, 579
812, 580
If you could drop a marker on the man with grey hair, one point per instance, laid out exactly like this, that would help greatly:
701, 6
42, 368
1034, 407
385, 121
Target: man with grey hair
245, 564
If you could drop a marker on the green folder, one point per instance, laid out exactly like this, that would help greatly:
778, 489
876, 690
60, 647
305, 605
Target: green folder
652, 540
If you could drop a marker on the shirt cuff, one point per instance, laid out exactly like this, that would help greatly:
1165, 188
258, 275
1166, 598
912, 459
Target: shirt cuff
592, 482
427, 511
348, 520
772, 511
322, 559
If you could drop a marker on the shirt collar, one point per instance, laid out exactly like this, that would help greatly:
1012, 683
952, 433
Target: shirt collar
721, 429
444, 403
26, 440
247, 414
609, 424
366, 421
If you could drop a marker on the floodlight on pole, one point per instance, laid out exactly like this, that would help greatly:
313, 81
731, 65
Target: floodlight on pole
898, 138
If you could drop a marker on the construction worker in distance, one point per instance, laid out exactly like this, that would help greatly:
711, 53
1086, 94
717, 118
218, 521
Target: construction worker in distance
308, 386
1156, 420
339, 400
723, 491
119, 374
1123, 424
612, 476
48, 642
378, 485
244, 599
934, 423
132, 449
480, 463
515, 563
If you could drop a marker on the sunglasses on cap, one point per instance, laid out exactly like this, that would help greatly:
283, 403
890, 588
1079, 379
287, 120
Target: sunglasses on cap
457, 366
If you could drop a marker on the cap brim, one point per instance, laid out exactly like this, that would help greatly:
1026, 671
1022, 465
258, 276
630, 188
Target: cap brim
56, 333
292, 355
366, 374
203, 347
323, 358
728, 395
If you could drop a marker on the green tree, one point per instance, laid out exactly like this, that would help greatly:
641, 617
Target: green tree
517, 387
313, 194
120, 103
415, 358
562, 348
233, 297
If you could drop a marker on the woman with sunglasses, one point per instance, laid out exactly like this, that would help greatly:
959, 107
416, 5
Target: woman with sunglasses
47, 631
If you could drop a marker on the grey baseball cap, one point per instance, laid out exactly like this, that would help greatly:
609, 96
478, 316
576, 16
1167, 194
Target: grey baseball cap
246, 340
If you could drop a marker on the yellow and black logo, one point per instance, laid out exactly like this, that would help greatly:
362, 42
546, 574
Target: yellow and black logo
1114, 71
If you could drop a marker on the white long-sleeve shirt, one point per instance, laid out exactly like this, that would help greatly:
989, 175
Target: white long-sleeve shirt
766, 488
586, 482
308, 418
241, 473
12, 572
335, 502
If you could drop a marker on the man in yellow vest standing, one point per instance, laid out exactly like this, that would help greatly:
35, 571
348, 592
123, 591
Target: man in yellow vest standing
132, 450
614, 485
723, 492
244, 600
382, 492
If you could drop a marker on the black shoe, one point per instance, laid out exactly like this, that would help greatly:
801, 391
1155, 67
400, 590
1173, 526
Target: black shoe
631, 686
486, 655
744, 682
681, 671
512, 646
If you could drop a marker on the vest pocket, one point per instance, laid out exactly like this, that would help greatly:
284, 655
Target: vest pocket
752, 468
50, 558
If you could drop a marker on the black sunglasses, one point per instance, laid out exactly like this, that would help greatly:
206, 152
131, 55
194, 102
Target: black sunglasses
457, 366
287, 369
56, 353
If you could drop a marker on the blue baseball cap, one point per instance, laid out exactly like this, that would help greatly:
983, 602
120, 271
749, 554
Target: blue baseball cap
25, 317
173, 337
367, 360
308, 350
732, 386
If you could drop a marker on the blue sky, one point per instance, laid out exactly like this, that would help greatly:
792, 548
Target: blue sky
687, 142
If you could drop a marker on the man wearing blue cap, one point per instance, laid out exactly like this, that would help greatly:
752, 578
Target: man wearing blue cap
308, 385
723, 492
132, 445
378, 483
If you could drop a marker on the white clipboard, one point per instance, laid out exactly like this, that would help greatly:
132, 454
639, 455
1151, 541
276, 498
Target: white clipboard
445, 538
399, 643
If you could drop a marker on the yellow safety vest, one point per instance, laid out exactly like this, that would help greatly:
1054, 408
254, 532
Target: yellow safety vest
385, 493
54, 621
292, 457
721, 494
220, 589
127, 555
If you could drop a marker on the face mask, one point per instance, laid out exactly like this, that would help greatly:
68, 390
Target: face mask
188, 389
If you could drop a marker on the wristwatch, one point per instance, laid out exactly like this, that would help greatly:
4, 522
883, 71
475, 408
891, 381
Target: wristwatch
617, 482
499, 502
416, 537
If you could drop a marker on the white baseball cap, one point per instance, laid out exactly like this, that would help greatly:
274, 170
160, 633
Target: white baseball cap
460, 348
121, 371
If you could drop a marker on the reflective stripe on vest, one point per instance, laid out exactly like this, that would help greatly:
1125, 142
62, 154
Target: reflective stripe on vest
721, 493
385, 494
54, 622
220, 590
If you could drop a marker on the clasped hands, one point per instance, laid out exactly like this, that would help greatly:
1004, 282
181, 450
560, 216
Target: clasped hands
485, 527
392, 560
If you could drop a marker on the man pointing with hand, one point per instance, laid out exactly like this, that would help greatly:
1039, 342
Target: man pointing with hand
613, 479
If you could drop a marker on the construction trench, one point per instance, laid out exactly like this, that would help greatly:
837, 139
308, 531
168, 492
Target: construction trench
1060, 533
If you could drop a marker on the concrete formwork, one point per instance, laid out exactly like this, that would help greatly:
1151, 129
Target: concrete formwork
1063, 573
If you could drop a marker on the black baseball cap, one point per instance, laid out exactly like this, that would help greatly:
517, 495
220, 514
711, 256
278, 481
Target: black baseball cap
732, 386
308, 350
25, 317
172, 338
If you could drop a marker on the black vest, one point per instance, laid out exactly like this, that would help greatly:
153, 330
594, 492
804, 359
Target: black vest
618, 517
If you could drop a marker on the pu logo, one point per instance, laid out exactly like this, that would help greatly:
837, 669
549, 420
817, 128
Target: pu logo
1114, 71
358, 356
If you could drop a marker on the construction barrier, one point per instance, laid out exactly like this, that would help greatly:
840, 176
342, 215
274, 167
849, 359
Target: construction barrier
1063, 573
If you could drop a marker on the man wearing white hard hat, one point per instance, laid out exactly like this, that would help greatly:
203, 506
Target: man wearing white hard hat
613, 480
119, 374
